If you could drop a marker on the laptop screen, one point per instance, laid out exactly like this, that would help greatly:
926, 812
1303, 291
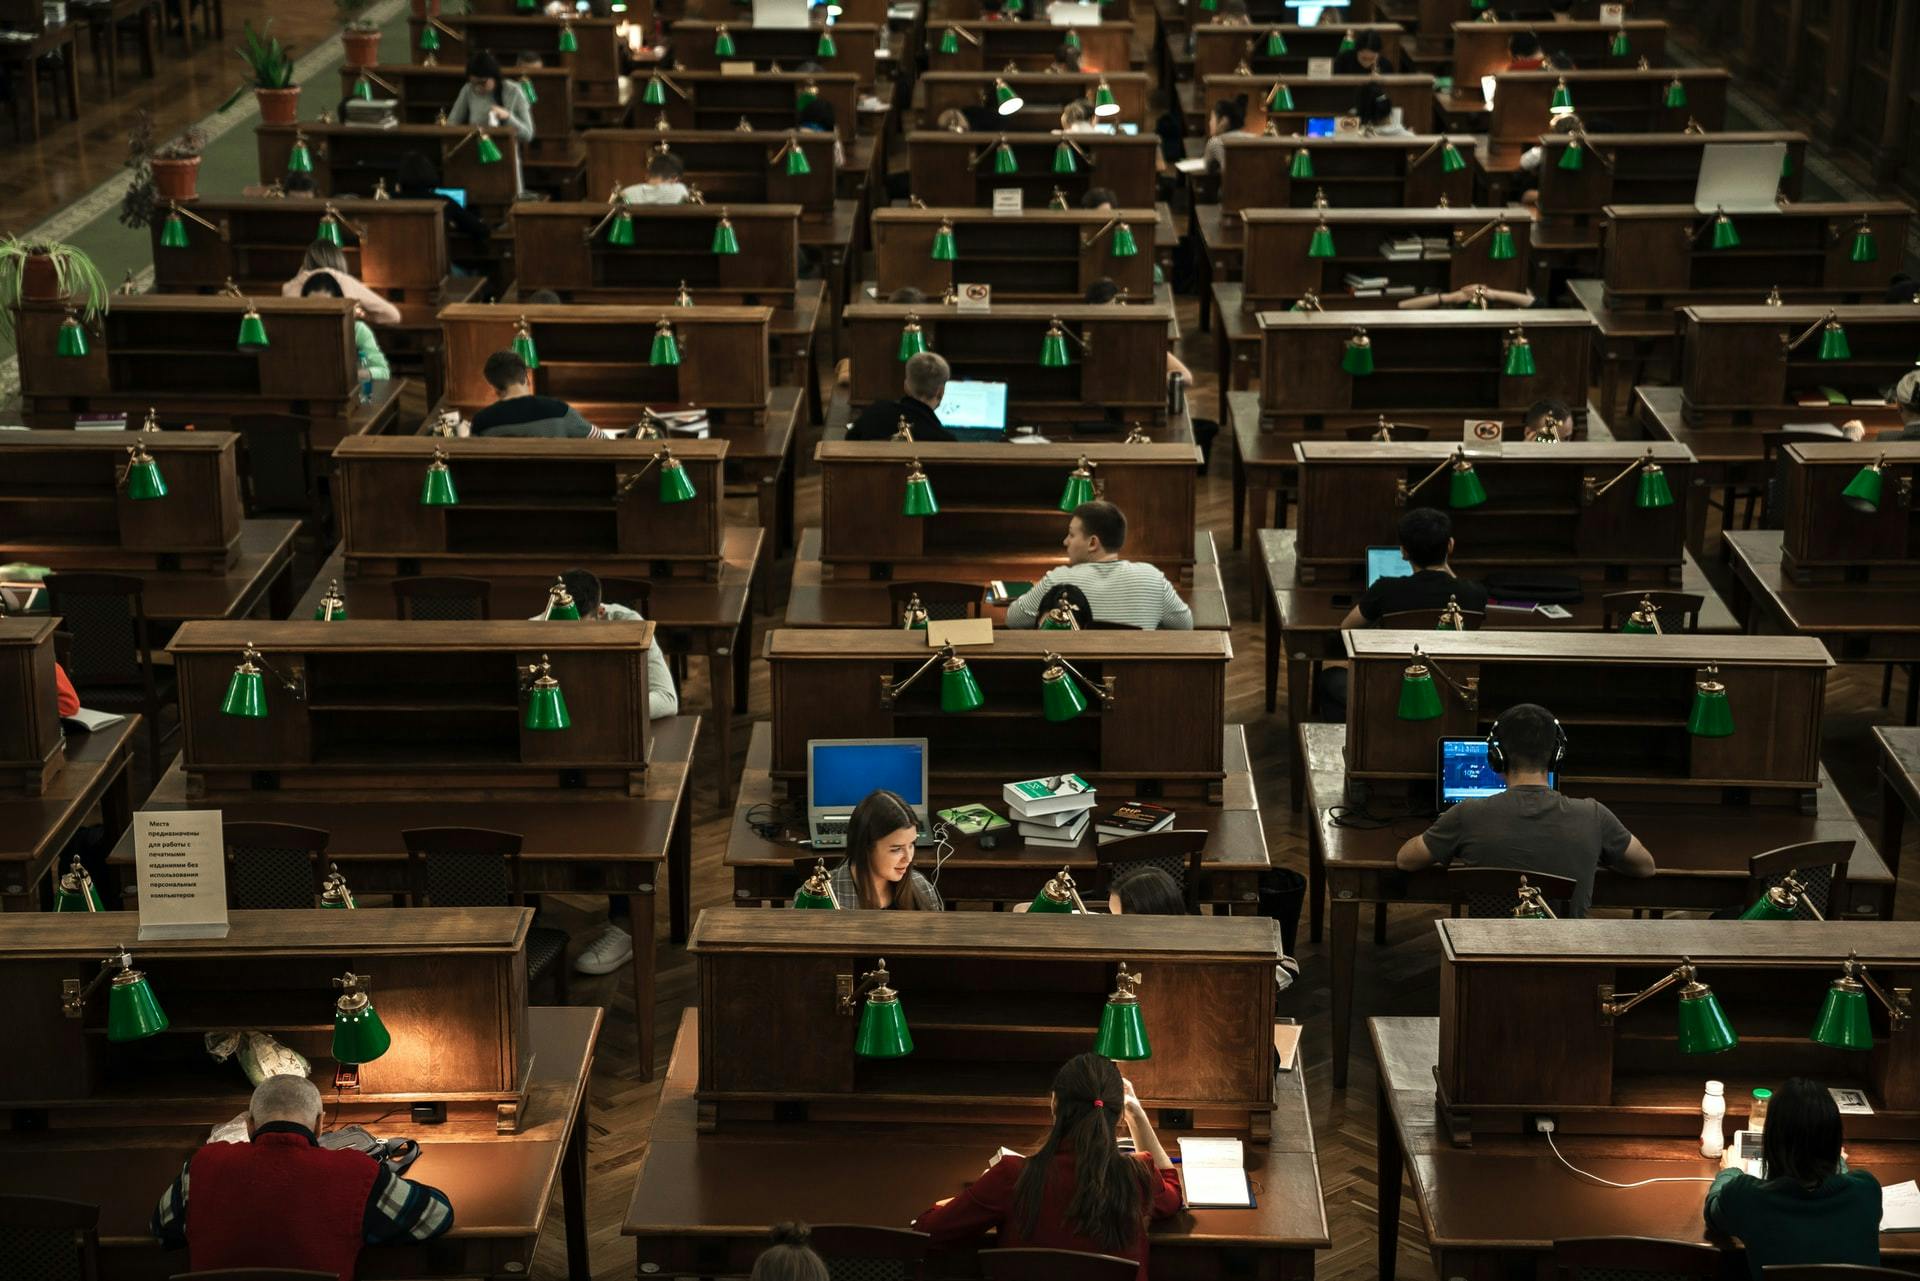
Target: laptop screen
1320, 126
456, 194
841, 773
1466, 773
974, 406
1386, 562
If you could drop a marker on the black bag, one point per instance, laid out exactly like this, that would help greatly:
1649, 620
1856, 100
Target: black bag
395, 1154
1541, 585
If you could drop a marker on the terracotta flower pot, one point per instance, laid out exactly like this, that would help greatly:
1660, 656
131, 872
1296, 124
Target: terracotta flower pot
39, 282
279, 106
176, 179
363, 47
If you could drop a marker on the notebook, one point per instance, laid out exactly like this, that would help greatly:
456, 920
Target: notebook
1213, 1172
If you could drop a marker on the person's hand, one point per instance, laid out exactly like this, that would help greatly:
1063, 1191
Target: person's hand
1131, 1103
496, 114
1853, 429
359, 312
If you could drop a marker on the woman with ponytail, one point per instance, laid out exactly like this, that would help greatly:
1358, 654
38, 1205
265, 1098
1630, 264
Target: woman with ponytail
1079, 1191
790, 1257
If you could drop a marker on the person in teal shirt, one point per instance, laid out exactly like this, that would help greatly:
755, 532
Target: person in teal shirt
363, 340
1810, 1208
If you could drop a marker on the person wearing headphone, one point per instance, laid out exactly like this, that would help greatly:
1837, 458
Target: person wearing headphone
1531, 826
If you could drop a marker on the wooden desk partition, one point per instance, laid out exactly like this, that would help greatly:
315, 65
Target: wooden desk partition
1117, 353
1352, 172
398, 248
1735, 366
989, 1030
1279, 267
1630, 102
828, 684
451, 987
1543, 509
767, 100
349, 160
386, 707
1218, 48
727, 167
1029, 46
1045, 94
1319, 96
1480, 48
30, 734
996, 500
1433, 367
1436, 20
1635, 169
1827, 536
1040, 254
956, 168
854, 43
598, 98
427, 93
1660, 255
564, 247
1623, 697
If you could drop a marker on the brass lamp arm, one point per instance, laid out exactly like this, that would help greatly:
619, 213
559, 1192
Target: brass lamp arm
1102, 689
1427, 479
616, 205
74, 995
1613, 1006
1531, 900
469, 136
368, 74
964, 34
1899, 1005
627, 482
1461, 239
297, 688
1088, 242
1580, 136
1623, 473
890, 693
1459, 691
1795, 343
223, 230
1070, 336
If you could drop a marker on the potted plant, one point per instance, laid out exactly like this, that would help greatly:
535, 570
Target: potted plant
169, 172
361, 38
269, 75
48, 271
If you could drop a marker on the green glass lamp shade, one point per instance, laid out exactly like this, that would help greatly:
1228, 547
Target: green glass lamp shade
299, 160
1519, 360
725, 242
253, 331
1003, 159
913, 339
1500, 244
1712, 714
1279, 98
797, 165
1451, 161
883, 1027
133, 1012
655, 94
173, 232
1725, 234
1574, 157
1419, 696
1123, 1031
144, 481
1321, 244
76, 892
1053, 348
486, 151
1209, 6
1013, 6
358, 1034
1005, 100
1060, 696
1702, 1024
943, 246
1478, 4
919, 500
950, 42
722, 43
1676, 93
807, 901
429, 38
523, 346
808, 92
1639, 621
437, 490
1786, 165
1866, 248
1346, 44
1079, 488
526, 6
826, 48
1863, 492
1653, 489
1124, 245
959, 691
1064, 159
1833, 342
1562, 99
1276, 46
675, 485
1620, 47
1357, 357
560, 605
1843, 1023
546, 705
1302, 164
331, 608
1071, 40
1056, 896
329, 232
569, 43
72, 340
526, 87
1774, 905
246, 693
913, 618
620, 230
1059, 619
1463, 486
363, 89
666, 348
1104, 103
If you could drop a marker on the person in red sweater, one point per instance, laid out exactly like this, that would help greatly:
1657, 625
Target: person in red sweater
66, 700
281, 1200
1079, 1191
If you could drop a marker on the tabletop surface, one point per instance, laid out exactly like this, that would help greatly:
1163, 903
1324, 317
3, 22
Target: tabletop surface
177, 596
26, 821
1886, 607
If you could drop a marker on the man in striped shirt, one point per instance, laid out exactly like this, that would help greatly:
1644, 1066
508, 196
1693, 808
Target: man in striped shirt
1117, 590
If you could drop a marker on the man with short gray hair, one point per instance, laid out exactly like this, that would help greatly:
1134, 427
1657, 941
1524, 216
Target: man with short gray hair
926, 377
280, 1200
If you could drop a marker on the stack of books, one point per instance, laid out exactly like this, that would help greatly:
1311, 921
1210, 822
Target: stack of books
1132, 818
1051, 812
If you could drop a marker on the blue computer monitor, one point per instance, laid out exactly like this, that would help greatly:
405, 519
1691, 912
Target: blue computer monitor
1386, 562
841, 772
1465, 772
1320, 126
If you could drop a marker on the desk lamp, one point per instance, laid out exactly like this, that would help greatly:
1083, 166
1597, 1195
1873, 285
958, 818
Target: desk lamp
725, 242
568, 42
1833, 338
1124, 245
795, 157
1065, 160
826, 48
329, 231
1645, 618
1060, 696
1866, 248
950, 41
722, 42
334, 892
883, 1024
546, 705
1301, 166
332, 607
1532, 905
1058, 200
1782, 902
919, 499
1059, 894
560, 603
1346, 43
1419, 696
1702, 1025
1863, 492
1005, 101
1079, 485
1063, 617
1356, 358
1004, 161
1562, 102
1620, 46
808, 92
1843, 1023
437, 490
665, 352
1652, 490
1725, 234
617, 222
76, 892
1123, 1032
1519, 358
1463, 485
1452, 618
523, 341
300, 158
817, 893
683, 297
913, 339
959, 691
253, 331
914, 617
526, 82
675, 485
173, 232
1321, 243
1104, 103
72, 341
1279, 98
943, 249
1053, 346
133, 1012
142, 475
1676, 97
1712, 714
358, 1034
1276, 46
1071, 40
247, 688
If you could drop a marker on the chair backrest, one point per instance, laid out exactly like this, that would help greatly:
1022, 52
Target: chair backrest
1175, 852
1073, 598
463, 866
108, 618
1426, 620
859, 1252
1400, 433
1634, 1259
444, 598
257, 1274
280, 474
1028, 1263
273, 865
1819, 866
635, 593
1675, 611
942, 601
1495, 891
47, 1239
1831, 1272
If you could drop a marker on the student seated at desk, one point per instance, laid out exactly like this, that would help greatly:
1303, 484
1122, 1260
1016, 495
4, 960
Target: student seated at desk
1374, 107
1079, 1191
280, 1200
1523, 52
665, 184
419, 179
816, 116
1426, 540
1530, 826
321, 284
1229, 116
1810, 1208
878, 869
1146, 891
490, 100
1104, 291
1905, 395
328, 260
1481, 297
1117, 590
1550, 420
790, 1258
516, 411
925, 376
1368, 57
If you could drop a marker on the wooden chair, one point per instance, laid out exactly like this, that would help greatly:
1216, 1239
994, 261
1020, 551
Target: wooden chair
257, 1274
1073, 598
942, 601
48, 1239
858, 1252
443, 598
1426, 620
1617, 607
1175, 852
1634, 1259
1033, 1264
1831, 1272
1495, 891
1822, 869
476, 867
273, 865
113, 668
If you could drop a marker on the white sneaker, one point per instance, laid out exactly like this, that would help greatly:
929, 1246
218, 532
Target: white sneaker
613, 949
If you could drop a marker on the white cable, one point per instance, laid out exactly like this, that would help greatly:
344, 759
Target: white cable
1692, 1178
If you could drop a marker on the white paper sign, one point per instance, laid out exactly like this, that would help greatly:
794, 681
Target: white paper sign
973, 298
182, 864
1614, 13
1319, 68
1006, 200
1484, 436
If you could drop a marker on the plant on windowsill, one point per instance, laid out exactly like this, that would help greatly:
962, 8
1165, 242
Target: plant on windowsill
269, 75
48, 271
162, 174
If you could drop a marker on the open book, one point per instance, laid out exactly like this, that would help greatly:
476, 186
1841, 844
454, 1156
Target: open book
1213, 1172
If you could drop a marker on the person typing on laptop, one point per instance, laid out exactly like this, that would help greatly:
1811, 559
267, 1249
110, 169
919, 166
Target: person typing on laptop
1530, 826
1426, 540
926, 382
882, 834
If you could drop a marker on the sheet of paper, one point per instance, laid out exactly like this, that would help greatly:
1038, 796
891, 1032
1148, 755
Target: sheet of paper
182, 866
1900, 1207
1213, 1172
1191, 165
93, 720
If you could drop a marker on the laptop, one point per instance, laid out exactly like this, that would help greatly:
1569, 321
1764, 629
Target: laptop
1463, 772
974, 410
1321, 126
1386, 562
1742, 177
842, 771
456, 194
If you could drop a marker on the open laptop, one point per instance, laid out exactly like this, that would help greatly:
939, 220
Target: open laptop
1463, 772
456, 194
1740, 177
841, 772
1386, 562
974, 410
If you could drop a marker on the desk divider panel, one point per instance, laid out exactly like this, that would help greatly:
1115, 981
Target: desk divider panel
564, 247
1829, 534
427, 94
1660, 255
1352, 172
1481, 48
1435, 20
1319, 96
1737, 364
1635, 169
1030, 46
396, 247
1219, 47
349, 160
1280, 268
948, 169
854, 43
1045, 93
594, 64
727, 167
1040, 253
767, 100
1630, 101
30, 733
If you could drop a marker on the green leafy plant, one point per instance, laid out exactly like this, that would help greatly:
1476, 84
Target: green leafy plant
80, 282
269, 63
141, 199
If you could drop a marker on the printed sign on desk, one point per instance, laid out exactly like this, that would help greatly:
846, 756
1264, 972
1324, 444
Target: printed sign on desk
181, 857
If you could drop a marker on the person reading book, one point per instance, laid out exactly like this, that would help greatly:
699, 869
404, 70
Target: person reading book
1117, 590
878, 869
1079, 1191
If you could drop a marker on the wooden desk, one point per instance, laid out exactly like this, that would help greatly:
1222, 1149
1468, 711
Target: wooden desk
501, 1185
1632, 101
554, 161
1481, 48
1219, 47
1044, 94
1751, 364
1899, 787
1631, 169
952, 168
1030, 46
854, 47
90, 770
349, 160
1701, 849
1040, 254
1280, 268
1858, 622
589, 844
1353, 172
1313, 96
602, 96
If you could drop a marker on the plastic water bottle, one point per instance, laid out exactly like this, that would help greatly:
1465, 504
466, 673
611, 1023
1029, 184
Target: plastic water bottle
1713, 1112
366, 383
1757, 1113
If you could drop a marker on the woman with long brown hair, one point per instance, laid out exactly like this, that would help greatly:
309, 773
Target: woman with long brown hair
878, 869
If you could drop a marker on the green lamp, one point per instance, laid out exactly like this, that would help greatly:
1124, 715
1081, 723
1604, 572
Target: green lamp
883, 1024
523, 344
560, 603
722, 42
1451, 161
429, 38
1676, 96
133, 1012
437, 489
943, 246
1783, 902
655, 94
1712, 712
1863, 492
959, 691
1356, 357
1104, 103
1346, 44
332, 607
913, 339
1061, 689
363, 89
1071, 40
1123, 1032
950, 41
675, 485
1702, 1026
913, 616
76, 891
1280, 98
568, 43
1301, 165
1079, 485
817, 892
919, 499
725, 242
486, 150
620, 227
1419, 696
1619, 47
1844, 1022
546, 704
1320, 245
73, 339
299, 159
1645, 619
1650, 492
1064, 159
329, 231
253, 331
526, 87
246, 688
1058, 200
1005, 101
794, 156
1562, 99
1500, 247
144, 481
1574, 156
826, 48
1518, 362
1531, 904
1833, 338
1464, 488
1053, 347
1063, 617
334, 893
1004, 161
173, 232
1276, 46
666, 347
1725, 234
1058, 895
358, 1034
1866, 248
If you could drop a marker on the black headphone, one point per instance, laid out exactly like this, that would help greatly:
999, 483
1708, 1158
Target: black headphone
1498, 758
